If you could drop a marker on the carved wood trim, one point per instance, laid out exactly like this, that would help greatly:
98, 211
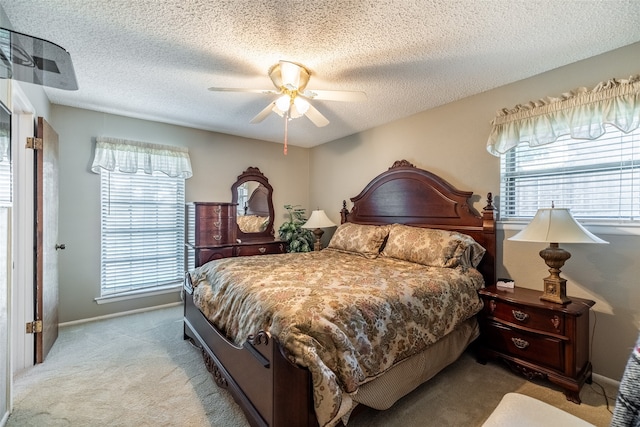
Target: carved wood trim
528, 373
261, 338
215, 370
401, 163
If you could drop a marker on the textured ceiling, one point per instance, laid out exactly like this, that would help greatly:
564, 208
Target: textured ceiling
155, 59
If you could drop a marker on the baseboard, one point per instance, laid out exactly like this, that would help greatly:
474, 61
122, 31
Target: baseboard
120, 314
605, 380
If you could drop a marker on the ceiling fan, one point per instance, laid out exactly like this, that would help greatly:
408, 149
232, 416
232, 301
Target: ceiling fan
290, 80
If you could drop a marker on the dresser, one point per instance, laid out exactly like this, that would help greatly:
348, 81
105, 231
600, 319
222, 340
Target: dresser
537, 339
211, 233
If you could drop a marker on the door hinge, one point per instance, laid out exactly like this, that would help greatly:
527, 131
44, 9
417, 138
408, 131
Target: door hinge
34, 327
34, 143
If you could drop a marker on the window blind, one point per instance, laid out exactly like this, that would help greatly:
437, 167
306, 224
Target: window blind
142, 219
6, 175
6, 180
597, 179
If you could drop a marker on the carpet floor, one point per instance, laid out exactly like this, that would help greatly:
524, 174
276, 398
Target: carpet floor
136, 370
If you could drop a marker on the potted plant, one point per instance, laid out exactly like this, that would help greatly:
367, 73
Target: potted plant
298, 239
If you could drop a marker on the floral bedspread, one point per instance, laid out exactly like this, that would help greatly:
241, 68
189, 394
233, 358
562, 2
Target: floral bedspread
346, 318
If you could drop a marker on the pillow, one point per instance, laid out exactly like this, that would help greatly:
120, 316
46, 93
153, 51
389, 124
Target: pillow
252, 223
432, 247
361, 239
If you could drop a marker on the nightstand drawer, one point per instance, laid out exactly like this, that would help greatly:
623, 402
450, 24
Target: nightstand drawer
540, 349
260, 249
539, 319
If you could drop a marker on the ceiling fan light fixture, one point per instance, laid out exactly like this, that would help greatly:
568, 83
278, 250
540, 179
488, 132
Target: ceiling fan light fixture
283, 103
301, 105
290, 75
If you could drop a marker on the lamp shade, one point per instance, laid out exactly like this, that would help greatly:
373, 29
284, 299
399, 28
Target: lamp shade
318, 219
555, 225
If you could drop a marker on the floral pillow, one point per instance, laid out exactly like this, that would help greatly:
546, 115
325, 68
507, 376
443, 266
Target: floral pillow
364, 240
252, 223
432, 247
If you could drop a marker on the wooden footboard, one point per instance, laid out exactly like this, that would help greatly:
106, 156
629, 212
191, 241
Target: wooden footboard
270, 389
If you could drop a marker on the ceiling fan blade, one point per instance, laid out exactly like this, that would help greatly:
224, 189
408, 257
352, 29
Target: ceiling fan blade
263, 114
316, 117
234, 89
336, 95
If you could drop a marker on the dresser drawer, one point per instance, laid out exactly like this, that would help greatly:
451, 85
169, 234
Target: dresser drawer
530, 317
203, 256
210, 223
540, 349
260, 249
214, 210
214, 231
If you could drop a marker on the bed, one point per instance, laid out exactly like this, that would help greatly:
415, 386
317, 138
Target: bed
284, 373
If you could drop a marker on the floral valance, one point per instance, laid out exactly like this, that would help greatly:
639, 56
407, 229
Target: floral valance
131, 156
581, 113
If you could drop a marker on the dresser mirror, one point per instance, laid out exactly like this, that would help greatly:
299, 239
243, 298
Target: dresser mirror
253, 195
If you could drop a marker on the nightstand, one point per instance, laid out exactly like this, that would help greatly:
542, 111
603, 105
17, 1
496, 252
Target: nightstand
537, 339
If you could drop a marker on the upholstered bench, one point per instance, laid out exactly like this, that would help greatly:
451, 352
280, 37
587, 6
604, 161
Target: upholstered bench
523, 411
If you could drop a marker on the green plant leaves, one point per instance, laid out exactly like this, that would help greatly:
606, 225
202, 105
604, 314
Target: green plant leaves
298, 239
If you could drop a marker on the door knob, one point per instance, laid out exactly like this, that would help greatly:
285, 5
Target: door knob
62, 246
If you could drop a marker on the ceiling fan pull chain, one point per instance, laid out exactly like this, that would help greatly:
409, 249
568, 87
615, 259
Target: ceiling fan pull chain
286, 131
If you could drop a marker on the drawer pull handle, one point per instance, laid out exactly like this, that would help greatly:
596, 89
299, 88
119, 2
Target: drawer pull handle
520, 343
217, 224
520, 315
262, 250
217, 236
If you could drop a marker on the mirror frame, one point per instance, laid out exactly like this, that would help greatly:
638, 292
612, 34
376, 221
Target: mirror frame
254, 174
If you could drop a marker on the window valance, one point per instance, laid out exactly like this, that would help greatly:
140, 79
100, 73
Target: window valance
581, 113
131, 156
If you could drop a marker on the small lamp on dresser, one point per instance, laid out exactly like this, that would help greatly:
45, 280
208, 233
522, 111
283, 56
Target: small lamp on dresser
555, 225
316, 222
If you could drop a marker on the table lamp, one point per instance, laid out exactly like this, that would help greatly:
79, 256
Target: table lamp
317, 221
555, 225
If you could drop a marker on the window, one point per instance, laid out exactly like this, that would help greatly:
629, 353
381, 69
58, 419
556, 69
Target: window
580, 150
142, 215
142, 219
597, 179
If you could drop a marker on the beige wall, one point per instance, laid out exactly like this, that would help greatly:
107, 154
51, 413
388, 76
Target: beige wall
450, 141
216, 160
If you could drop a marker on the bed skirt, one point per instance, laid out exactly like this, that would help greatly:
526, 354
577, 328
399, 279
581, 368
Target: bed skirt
382, 392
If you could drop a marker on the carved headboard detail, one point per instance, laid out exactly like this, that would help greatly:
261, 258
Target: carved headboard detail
408, 195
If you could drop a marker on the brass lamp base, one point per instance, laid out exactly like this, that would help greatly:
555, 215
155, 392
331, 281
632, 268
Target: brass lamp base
318, 232
555, 291
555, 287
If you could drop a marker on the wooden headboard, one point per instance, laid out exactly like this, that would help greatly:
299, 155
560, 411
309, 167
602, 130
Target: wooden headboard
258, 203
405, 194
